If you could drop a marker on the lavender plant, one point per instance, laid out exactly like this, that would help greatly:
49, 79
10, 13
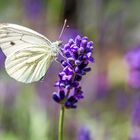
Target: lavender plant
78, 55
133, 61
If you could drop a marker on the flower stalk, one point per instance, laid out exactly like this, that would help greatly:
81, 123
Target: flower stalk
61, 123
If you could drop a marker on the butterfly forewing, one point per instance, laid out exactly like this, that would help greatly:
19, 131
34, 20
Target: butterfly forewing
15, 37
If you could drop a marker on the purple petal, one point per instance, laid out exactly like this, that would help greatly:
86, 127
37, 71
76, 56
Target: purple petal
85, 38
84, 43
56, 97
67, 77
62, 94
78, 40
71, 41
66, 46
90, 43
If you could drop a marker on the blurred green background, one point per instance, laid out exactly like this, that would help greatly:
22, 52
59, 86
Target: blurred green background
28, 112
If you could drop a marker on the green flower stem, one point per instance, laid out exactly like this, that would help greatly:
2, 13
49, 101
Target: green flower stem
61, 123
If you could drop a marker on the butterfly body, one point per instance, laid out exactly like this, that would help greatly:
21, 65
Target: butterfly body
28, 53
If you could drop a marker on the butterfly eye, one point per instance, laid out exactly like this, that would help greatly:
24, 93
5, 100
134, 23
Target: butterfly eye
60, 43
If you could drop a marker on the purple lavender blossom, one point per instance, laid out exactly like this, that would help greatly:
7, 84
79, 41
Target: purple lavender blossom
133, 61
78, 54
84, 134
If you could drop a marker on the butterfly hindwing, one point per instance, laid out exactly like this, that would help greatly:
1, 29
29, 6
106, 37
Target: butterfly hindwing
28, 65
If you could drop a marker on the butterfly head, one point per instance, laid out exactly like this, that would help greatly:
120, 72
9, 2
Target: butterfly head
56, 46
58, 43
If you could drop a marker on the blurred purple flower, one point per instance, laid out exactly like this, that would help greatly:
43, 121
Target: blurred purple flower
134, 78
101, 85
135, 134
2, 58
135, 119
133, 60
78, 54
136, 112
83, 134
33, 8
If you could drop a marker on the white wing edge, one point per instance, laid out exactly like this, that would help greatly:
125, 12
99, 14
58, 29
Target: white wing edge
23, 29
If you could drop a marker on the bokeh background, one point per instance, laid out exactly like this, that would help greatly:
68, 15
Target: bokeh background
111, 107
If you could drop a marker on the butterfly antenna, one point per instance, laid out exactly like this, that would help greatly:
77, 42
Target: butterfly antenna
63, 28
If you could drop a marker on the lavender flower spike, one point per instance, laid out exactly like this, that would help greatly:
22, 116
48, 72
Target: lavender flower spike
84, 134
78, 54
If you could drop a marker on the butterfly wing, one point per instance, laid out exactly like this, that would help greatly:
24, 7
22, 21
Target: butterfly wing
28, 52
28, 65
15, 37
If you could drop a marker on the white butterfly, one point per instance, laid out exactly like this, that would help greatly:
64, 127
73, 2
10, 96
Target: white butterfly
29, 54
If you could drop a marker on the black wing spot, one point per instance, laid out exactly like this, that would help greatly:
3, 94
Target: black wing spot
12, 43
